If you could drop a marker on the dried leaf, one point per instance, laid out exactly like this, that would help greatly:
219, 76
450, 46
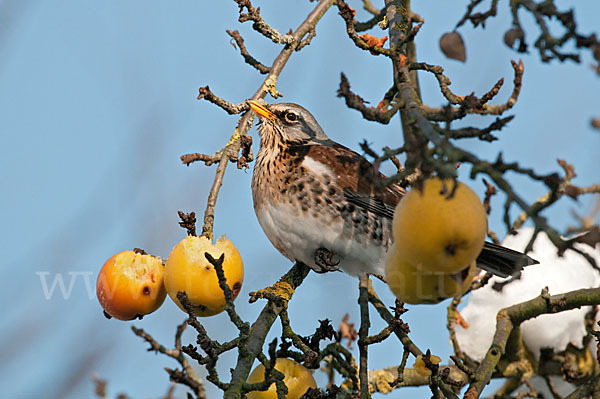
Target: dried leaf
347, 330
568, 168
490, 191
511, 36
572, 191
453, 47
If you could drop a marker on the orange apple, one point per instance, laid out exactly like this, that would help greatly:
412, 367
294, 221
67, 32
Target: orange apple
130, 285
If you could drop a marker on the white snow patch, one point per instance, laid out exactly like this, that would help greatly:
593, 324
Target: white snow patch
571, 272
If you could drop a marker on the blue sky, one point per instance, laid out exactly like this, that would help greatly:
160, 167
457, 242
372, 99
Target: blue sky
98, 103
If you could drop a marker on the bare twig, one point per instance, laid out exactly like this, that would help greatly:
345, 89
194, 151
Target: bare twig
470, 104
187, 375
363, 332
259, 24
552, 387
239, 40
204, 93
347, 14
230, 150
368, 5
188, 222
484, 134
310, 355
478, 18
451, 321
549, 46
363, 26
208, 160
399, 329
242, 326
356, 102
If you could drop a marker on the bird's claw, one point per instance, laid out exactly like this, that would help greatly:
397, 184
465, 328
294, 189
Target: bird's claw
326, 260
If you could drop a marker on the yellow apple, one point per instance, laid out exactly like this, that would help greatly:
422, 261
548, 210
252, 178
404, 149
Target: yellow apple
297, 379
437, 232
415, 286
188, 270
130, 285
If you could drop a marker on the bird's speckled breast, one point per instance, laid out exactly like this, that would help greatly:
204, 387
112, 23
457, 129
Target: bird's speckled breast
301, 209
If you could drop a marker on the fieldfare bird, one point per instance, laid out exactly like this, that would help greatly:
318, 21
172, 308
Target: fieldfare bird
321, 203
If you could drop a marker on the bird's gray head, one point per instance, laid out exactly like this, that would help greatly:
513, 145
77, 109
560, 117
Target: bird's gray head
287, 122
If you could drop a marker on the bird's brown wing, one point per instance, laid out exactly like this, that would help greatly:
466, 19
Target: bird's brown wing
362, 184
363, 187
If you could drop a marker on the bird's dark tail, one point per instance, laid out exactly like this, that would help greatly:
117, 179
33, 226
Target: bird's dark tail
501, 261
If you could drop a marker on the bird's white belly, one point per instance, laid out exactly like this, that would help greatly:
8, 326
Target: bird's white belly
298, 235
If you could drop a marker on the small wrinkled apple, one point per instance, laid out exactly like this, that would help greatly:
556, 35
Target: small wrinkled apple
130, 285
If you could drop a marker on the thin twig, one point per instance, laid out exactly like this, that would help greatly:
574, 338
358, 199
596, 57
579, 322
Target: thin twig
259, 24
204, 93
370, 113
389, 318
363, 333
185, 376
347, 14
239, 40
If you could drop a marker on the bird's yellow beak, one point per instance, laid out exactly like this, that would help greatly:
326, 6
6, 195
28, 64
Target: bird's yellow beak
261, 110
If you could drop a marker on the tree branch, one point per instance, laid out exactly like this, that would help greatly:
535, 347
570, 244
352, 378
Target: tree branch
510, 318
258, 332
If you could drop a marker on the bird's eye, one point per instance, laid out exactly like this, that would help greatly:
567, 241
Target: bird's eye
291, 117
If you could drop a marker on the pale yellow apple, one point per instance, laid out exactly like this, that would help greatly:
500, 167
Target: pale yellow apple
415, 286
297, 379
439, 232
187, 269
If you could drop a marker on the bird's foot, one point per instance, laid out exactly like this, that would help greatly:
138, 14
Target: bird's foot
326, 261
